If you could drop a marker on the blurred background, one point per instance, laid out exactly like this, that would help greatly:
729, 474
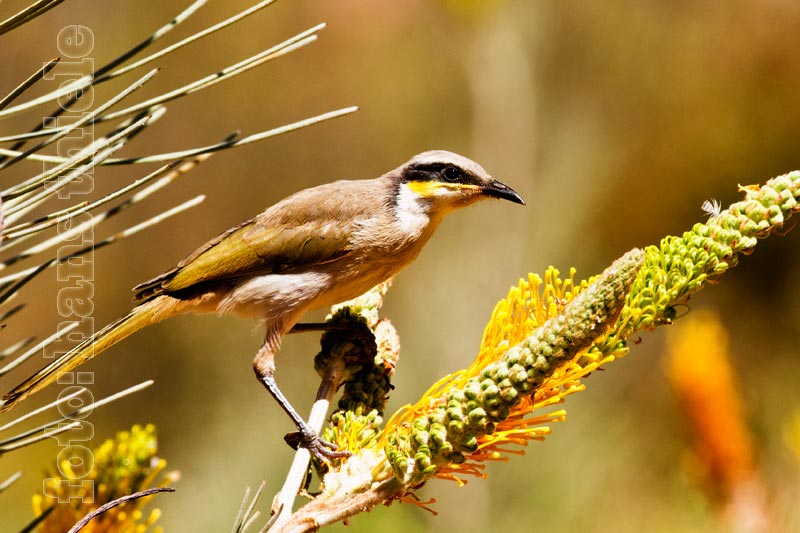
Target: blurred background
615, 120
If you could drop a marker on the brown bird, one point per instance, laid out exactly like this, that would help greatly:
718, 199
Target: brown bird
316, 248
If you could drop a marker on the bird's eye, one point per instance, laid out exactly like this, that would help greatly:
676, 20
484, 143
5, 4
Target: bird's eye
451, 174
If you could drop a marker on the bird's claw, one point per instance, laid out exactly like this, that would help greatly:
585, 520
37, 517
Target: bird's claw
322, 450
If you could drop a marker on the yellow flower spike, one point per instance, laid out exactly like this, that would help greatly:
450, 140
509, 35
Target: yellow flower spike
475, 413
415, 444
123, 465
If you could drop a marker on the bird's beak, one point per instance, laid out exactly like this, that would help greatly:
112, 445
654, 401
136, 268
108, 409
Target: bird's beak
496, 189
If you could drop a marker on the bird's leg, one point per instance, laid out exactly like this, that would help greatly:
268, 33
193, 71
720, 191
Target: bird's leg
320, 326
264, 367
355, 329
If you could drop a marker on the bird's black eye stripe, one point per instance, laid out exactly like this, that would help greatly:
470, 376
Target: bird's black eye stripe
436, 172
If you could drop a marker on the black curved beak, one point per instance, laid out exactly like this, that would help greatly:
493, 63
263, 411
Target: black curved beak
496, 189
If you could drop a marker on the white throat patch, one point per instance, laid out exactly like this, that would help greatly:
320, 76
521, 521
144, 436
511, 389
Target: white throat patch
411, 211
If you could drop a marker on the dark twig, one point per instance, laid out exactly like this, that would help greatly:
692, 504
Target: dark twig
33, 524
27, 14
119, 501
25, 85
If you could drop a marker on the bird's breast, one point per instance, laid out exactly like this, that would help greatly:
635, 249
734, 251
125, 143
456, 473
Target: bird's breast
288, 295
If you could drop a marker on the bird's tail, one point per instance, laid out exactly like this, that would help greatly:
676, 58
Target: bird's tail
141, 316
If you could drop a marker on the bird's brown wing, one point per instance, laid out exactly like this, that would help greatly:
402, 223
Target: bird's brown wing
311, 227
253, 248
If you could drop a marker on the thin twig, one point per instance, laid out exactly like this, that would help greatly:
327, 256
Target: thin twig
11, 480
87, 158
27, 14
15, 347
26, 276
100, 74
38, 348
114, 503
28, 204
33, 524
25, 85
40, 437
289, 45
76, 414
160, 158
5, 315
247, 514
82, 155
194, 37
51, 219
240, 515
76, 89
83, 120
178, 168
42, 409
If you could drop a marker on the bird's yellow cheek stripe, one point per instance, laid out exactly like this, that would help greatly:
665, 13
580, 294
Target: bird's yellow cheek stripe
428, 189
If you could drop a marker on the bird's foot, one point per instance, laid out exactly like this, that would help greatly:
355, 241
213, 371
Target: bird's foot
322, 450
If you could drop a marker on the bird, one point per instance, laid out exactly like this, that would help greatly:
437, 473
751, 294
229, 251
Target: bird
318, 247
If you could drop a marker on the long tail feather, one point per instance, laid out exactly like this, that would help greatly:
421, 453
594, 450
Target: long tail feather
141, 316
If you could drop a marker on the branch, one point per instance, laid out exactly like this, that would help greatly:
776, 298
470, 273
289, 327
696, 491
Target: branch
325, 511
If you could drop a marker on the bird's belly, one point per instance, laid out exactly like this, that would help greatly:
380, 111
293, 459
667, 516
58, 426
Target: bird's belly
273, 296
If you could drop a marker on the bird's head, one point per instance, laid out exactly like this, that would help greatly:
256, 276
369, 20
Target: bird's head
443, 181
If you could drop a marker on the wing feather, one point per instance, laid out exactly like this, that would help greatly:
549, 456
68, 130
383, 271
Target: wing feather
309, 228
